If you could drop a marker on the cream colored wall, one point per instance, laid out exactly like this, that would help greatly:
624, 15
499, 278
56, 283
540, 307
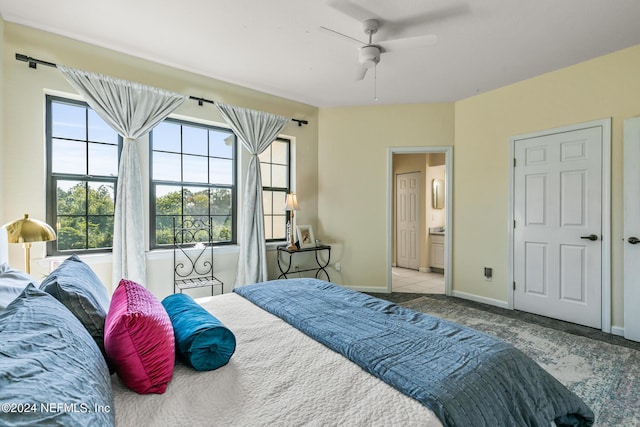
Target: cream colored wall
608, 86
353, 188
23, 159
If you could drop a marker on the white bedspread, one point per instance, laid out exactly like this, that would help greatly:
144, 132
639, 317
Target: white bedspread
278, 377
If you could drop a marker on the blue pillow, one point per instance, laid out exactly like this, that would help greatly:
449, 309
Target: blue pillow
78, 288
12, 283
51, 371
201, 340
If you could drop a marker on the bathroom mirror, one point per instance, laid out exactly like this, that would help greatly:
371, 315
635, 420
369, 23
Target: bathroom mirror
437, 193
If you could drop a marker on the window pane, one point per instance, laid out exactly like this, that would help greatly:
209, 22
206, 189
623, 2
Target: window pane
69, 157
279, 227
71, 233
196, 201
279, 202
195, 169
267, 202
265, 156
166, 137
103, 160
164, 230
275, 175
168, 200
279, 176
68, 121
100, 231
204, 162
221, 201
279, 152
166, 167
220, 171
71, 198
221, 226
268, 226
81, 144
265, 174
101, 199
221, 144
99, 130
194, 140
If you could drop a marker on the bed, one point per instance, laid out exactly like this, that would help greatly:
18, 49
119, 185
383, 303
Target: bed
310, 353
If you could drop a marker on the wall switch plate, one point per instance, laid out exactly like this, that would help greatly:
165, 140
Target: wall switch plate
337, 266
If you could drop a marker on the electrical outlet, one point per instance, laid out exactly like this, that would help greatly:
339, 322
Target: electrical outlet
488, 273
337, 266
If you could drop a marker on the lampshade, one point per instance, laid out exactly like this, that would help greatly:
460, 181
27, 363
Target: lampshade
291, 202
25, 230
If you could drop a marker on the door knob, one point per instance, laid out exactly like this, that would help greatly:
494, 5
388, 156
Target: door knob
633, 240
591, 237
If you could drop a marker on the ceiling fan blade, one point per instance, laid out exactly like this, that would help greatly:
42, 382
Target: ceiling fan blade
339, 34
409, 42
352, 9
361, 73
405, 27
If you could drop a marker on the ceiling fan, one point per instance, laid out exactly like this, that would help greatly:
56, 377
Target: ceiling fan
395, 32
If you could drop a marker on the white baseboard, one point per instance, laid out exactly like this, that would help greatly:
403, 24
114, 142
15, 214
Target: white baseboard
477, 298
368, 289
617, 330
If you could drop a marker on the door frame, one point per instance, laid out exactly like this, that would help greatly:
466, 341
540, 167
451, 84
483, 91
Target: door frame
448, 205
631, 173
605, 279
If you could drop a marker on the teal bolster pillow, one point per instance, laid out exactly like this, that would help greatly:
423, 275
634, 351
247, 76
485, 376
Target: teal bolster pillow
201, 340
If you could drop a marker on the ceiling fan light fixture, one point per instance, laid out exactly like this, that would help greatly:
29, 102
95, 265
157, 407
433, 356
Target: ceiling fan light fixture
369, 56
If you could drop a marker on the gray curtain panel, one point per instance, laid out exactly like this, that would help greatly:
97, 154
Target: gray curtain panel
256, 130
132, 110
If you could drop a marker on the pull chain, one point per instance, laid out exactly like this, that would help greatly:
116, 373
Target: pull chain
375, 83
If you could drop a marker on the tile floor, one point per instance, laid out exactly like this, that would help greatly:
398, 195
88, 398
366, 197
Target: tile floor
405, 280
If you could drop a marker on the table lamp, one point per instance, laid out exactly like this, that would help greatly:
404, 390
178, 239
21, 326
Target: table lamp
291, 205
27, 230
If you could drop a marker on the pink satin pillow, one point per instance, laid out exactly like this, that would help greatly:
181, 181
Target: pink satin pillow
138, 339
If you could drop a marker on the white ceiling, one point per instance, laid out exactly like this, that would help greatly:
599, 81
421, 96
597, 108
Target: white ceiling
277, 46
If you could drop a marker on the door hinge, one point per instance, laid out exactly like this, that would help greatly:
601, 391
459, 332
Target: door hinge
514, 285
514, 223
514, 162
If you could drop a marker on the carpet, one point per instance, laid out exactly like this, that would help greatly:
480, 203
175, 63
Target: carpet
605, 375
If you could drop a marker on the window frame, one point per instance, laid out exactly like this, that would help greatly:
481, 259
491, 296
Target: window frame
153, 245
53, 178
284, 190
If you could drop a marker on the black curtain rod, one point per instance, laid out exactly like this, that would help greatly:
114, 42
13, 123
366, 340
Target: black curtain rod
33, 63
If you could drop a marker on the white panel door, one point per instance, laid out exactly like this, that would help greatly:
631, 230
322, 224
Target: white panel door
408, 220
632, 229
558, 226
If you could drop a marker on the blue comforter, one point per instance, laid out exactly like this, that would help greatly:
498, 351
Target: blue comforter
465, 377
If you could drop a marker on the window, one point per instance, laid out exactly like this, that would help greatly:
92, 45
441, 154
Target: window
193, 176
82, 173
274, 164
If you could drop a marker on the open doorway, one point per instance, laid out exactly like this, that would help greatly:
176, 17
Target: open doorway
419, 219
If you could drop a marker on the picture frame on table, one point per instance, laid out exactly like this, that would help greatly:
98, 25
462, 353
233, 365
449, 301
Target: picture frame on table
306, 238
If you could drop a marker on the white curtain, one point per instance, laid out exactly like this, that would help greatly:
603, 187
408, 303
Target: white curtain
256, 130
132, 110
